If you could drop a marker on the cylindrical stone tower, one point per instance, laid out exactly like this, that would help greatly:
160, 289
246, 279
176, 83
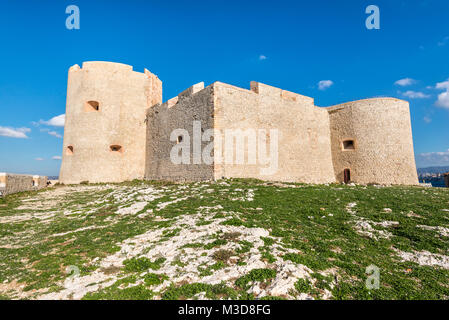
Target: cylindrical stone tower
105, 129
371, 142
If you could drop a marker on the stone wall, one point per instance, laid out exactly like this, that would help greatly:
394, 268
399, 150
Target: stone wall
304, 152
105, 130
40, 182
2, 180
13, 183
193, 104
310, 138
381, 133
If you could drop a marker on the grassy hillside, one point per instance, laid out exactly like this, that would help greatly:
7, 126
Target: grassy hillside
239, 239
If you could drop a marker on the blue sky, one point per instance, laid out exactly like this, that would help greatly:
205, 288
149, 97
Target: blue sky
288, 44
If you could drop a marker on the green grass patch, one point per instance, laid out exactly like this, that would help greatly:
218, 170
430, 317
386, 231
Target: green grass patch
142, 264
187, 291
152, 279
259, 275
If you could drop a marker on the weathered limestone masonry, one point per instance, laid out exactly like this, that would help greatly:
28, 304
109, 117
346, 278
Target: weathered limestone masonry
382, 141
105, 130
303, 132
194, 104
13, 183
367, 141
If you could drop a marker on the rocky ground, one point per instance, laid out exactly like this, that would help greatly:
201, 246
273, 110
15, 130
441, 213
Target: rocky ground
233, 239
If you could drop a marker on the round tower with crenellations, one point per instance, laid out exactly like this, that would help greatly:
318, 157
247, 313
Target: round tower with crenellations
105, 129
372, 142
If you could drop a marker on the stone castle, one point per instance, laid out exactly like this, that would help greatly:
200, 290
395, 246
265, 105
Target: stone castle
118, 129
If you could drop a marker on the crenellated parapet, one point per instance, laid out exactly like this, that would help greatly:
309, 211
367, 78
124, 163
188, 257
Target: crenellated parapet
191, 91
256, 88
274, 92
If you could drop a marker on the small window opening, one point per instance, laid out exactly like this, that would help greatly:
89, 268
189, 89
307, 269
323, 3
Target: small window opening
69, 150
92, 106
116, 148
179, 139
348, 145
34, 183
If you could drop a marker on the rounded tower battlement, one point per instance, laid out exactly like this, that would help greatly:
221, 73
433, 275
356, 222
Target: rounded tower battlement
372, 141
105, 131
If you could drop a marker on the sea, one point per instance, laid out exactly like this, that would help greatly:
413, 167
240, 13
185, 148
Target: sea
436, 182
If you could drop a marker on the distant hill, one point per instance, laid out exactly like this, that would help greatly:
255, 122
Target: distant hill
433, 170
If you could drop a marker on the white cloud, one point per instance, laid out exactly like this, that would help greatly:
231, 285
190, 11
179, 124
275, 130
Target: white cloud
433, 159
54, 134
57, 158
427, 119
14, 132
57, 121
39, 159
405, 82
415, 95
51, 132
443, 42
325, 84
262, 57
429, 154
443, 98
443, 85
